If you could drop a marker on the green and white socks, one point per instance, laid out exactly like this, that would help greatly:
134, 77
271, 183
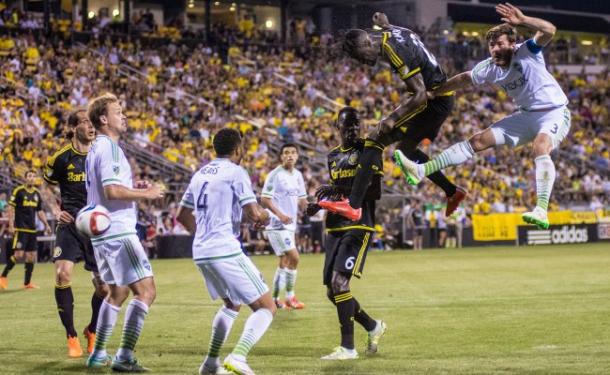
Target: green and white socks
255, 327
134, 322
279, 282
291, 280
106, 321
221, 327
454, 155
545, 178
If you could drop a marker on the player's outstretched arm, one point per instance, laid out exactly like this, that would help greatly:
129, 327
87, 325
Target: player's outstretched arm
255, 213
120, 192
513, 15
185, 217
410, 106
268, 204
457, 82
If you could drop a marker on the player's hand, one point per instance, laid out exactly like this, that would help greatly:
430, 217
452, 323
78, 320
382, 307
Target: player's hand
381, 20
328, 192
386, 125
312, 209
510, 14
47, 230
11, 229
154, 192
64, 217
285, 219
263, 220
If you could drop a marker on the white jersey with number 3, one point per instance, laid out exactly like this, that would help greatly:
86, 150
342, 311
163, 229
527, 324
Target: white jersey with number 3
217, 193
526, 80
105, 165
285, 188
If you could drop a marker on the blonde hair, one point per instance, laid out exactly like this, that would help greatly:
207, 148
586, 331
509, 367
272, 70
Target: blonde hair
99, 107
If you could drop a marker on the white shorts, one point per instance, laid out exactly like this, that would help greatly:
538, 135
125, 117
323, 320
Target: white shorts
235, 278
122, 261
281, 241
522, 127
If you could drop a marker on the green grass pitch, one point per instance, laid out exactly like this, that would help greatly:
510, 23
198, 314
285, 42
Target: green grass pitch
529, 310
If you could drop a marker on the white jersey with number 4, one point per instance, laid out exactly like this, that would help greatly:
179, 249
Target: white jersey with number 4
217, 193
285, 188
526, 80
105, 165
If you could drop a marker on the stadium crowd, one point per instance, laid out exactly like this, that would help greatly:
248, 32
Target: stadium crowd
176, 96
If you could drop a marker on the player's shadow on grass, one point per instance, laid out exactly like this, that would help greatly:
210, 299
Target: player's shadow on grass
76, 366
11, 291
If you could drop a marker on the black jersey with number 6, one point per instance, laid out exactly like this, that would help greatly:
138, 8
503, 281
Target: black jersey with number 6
408, 56
67, 168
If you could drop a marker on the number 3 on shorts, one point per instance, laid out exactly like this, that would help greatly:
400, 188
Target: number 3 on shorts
349, 263
554, 130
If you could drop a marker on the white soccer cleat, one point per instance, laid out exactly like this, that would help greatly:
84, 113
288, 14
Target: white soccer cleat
341, 354
408, 168
236, 366
372, 341
538, 217
215, 369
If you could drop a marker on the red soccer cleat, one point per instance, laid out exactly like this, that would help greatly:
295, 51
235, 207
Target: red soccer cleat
454, 201
293, 303
342, 208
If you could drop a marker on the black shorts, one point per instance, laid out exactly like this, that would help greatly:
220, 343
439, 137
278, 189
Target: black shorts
71, 245
346, 253
424, 125
25, 241
418, 231
452, 230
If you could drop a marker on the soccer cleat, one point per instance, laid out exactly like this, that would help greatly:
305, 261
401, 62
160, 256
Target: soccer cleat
294, 303
74, 349
278, 303
372, 341
538, 217
90, 339
3, 283
236, 366
93, 362
215, 369
453, 202
407, 167
31, 286
342, 208
128, 365
341, 354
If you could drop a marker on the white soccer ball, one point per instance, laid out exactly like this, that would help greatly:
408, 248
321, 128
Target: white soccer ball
93, 220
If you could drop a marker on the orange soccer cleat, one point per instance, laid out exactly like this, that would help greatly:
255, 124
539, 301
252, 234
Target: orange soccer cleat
454, 201
3, 283
294, 303
31, 286
90, 339
342, 208
74, 349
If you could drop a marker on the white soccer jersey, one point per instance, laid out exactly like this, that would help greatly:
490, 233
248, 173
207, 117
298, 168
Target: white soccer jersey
285, 189
106, 164
526, 80
217, 193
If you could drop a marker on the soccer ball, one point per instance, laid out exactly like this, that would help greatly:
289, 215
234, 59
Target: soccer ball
93, 220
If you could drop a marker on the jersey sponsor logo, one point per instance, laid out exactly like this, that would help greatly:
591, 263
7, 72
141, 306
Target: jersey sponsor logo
76, 177
566, 234
342, 173
210, 169
30, 203
513, 85
56, 252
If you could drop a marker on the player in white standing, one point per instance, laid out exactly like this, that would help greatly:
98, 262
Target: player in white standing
212, 209
121, 260
284, 195
543, 117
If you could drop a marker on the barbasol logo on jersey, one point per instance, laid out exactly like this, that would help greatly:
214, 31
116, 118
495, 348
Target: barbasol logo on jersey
566, 234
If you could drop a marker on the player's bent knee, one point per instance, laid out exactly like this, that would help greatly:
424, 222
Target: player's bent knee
63, 276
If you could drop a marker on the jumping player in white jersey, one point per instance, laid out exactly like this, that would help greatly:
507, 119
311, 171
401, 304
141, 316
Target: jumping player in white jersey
212, 209
543, 117
284, 194
121, 260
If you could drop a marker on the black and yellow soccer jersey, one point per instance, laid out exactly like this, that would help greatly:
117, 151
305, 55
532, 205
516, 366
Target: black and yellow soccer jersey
342, 166
408, 56
67, 168
27, 202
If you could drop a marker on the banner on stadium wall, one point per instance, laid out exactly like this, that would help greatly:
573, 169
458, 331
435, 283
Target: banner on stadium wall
603, 231
558, 234
503, 227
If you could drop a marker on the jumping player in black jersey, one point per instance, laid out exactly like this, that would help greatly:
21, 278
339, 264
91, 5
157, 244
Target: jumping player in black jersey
347, 242
414, 120
66, 168
24, 205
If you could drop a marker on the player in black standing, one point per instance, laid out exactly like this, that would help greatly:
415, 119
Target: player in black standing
25, 203
347, 242
66, 168
414, 120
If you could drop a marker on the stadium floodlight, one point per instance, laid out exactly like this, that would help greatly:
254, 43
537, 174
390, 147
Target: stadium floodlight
91, 14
